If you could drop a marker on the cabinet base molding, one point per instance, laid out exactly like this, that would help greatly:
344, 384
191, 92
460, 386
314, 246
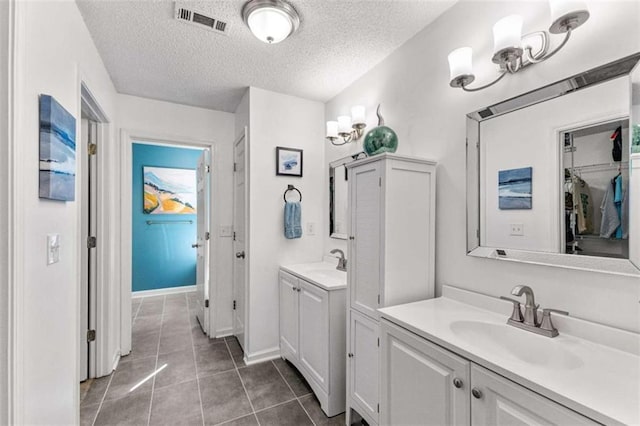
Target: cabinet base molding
261, 356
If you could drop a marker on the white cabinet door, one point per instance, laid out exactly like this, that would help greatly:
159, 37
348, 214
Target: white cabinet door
503, 402
314, 332
288, 314
363, 371
417, 383
365, 248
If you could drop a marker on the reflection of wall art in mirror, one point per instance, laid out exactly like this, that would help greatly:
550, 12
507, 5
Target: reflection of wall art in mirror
169, 191
288, 161
514, 189
57, 151
635, 139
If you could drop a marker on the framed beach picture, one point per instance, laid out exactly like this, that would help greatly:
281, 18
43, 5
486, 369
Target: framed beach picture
169, 191
514, 189
288, 161
57, 173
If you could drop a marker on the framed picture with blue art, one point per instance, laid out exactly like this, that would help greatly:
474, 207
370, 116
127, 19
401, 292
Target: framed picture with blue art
57, 151
514, 189
169, 190
288, 161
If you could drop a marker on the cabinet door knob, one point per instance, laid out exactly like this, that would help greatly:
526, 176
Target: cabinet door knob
457, 382
351, 237
477, 393
350, 355
298, 289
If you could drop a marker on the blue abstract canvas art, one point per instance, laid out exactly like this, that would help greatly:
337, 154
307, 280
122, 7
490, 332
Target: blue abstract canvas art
514, 189
57, 151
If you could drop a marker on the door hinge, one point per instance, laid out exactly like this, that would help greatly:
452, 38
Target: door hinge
207, 235
91, 335
477, 233
378, 342
234, 235
91, 242
92, 149
234, 305
208, 168
235, 167
380, 181
206, 303
378, 408
378, 299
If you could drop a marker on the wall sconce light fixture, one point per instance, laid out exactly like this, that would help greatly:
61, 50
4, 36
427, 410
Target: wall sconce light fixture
510, 50
347, 128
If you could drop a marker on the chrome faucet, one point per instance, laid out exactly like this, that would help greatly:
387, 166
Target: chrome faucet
530, 321
342, 262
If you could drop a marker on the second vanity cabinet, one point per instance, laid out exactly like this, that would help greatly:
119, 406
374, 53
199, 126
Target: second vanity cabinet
423, 383
312, 337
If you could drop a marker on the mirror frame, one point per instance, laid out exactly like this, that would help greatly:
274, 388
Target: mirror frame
339, 162
601, 74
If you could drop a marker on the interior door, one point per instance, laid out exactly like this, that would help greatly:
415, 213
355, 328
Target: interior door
202, 243
239, 239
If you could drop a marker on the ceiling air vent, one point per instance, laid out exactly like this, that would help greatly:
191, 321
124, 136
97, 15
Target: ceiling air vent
201, 20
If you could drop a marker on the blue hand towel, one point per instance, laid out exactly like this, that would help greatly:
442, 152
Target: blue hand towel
292, 213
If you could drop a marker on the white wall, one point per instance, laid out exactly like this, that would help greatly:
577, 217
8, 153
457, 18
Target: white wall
511, 141
54, 50
181, 122
429, 117
280, 120
4, 195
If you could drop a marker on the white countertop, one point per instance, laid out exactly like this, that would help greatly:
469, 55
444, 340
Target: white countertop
323, 274
599, 381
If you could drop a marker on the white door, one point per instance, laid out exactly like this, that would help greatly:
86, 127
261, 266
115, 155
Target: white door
363, 371
89, 188
289, 315
202, 243
500, 402
239, 240
364, 253
419, 383
314, 332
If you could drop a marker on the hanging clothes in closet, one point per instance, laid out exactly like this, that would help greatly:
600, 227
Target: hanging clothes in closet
583, 205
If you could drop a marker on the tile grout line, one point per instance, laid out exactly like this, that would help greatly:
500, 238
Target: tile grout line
104, 395
294, 394
195, 362
153, 383
253, 410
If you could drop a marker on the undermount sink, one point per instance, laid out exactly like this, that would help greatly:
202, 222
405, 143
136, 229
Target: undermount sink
519, 344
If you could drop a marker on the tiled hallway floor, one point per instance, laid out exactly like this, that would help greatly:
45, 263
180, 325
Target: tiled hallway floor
197, 380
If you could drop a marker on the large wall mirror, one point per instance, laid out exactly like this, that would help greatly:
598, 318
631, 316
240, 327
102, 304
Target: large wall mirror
338, 191
553, 175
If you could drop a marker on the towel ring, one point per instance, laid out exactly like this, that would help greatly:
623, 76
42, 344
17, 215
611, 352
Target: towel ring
291, 188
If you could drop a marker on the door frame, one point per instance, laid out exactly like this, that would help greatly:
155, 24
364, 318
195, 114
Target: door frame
247, 246
127, 138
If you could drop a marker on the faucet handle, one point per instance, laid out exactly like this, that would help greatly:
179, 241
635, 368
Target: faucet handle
516, 315
546, 323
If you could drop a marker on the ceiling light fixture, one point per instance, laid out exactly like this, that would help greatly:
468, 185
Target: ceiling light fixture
510, 50
271, 21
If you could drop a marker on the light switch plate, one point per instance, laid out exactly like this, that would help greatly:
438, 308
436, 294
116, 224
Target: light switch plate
226, 231
53, 248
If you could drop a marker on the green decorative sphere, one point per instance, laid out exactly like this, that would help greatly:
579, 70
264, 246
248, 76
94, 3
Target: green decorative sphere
380, 139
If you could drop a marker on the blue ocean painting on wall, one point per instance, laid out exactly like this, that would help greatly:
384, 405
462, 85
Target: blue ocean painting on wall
57, 151
169, 191
514, 189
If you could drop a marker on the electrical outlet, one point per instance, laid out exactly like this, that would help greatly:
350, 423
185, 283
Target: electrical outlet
53, 248
311, 228
517, 229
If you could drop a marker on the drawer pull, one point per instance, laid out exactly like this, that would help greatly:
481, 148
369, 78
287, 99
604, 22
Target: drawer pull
477, 393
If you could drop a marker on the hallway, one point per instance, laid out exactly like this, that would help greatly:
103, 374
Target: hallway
197, 380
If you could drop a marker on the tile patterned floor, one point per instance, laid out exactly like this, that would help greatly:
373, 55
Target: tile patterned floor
197, 380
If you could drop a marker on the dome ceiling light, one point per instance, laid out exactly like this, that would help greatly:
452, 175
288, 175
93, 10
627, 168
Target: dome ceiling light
271, 21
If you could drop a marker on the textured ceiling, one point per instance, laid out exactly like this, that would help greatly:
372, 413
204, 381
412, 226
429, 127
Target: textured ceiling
149, 54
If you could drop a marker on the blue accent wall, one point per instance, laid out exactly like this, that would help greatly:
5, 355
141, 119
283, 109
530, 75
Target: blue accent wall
162, 254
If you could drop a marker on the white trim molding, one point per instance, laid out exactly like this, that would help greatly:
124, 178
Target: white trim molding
261, 356
163, 291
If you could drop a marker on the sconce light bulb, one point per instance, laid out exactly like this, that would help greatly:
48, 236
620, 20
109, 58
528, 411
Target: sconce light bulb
357, 116
332, 129
461, 66
344, 125
567, 15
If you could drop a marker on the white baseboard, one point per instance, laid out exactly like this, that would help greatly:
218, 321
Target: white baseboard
163, 291
224, 332
261, 356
